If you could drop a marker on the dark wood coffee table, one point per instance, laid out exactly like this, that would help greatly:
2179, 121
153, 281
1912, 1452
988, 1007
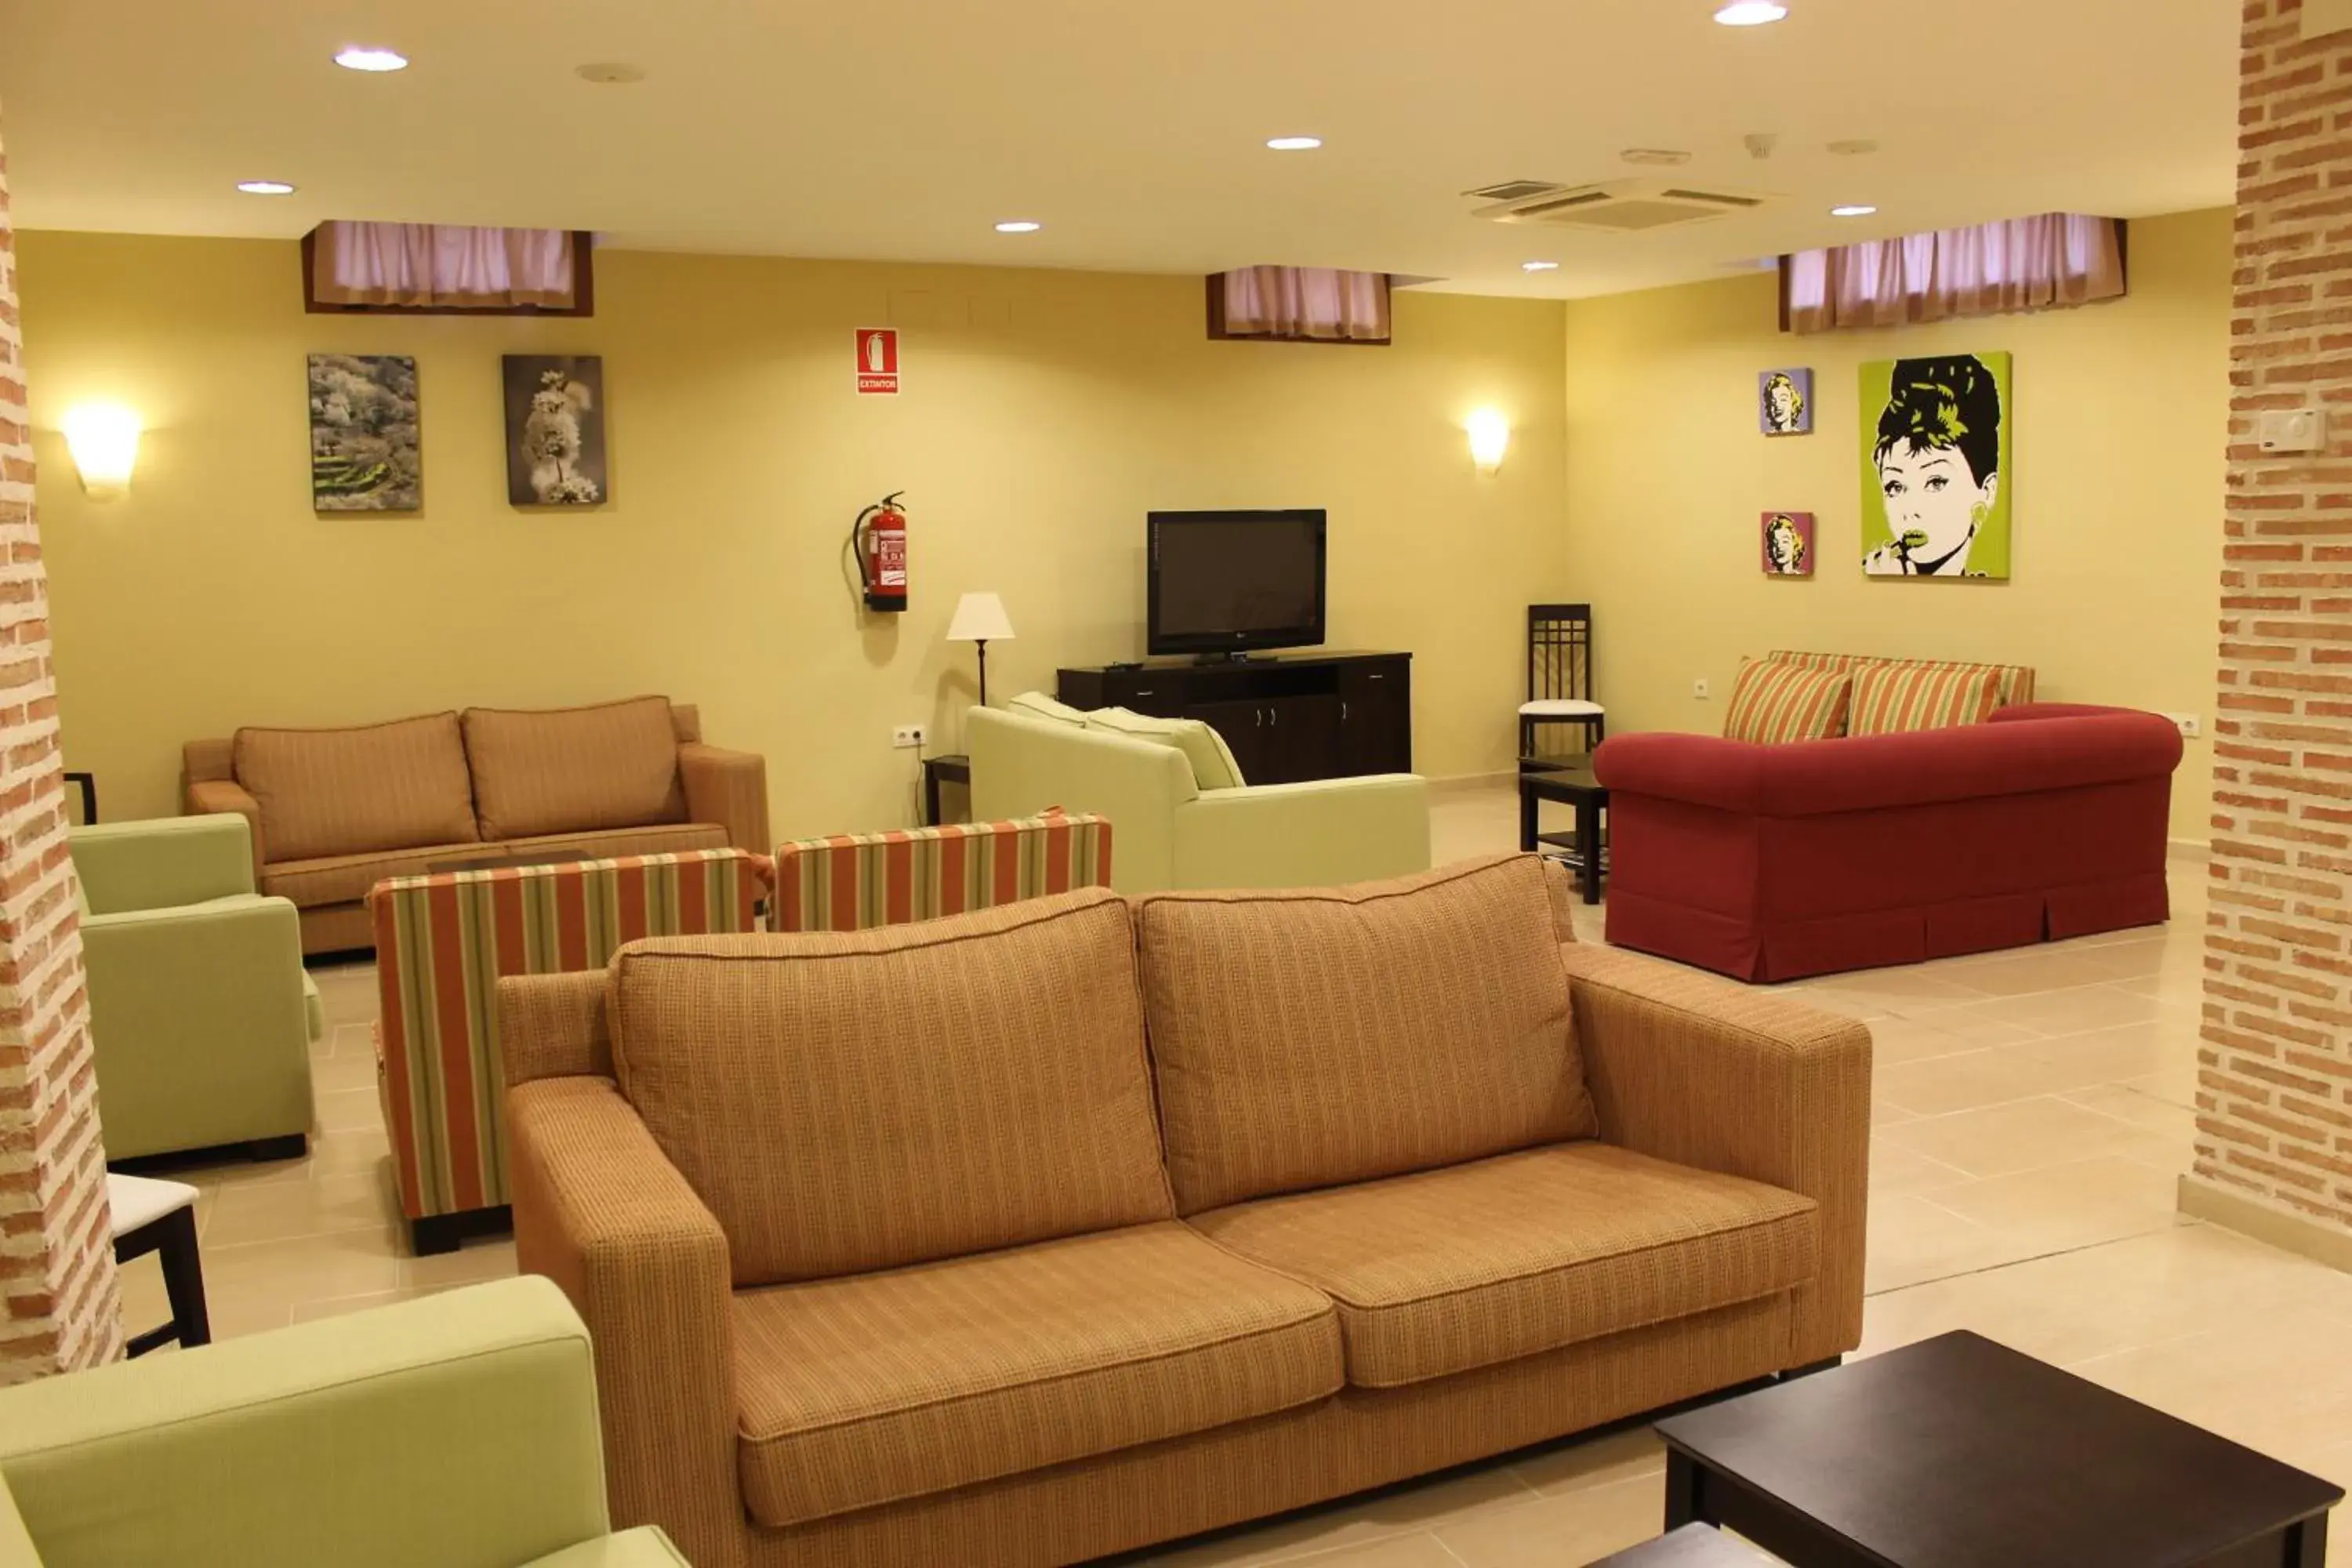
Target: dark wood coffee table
1567, 779
1960, 1453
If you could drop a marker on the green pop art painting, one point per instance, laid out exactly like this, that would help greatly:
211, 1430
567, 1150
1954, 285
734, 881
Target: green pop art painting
1935, 473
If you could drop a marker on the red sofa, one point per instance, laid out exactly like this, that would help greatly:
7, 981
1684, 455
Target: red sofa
1774, 862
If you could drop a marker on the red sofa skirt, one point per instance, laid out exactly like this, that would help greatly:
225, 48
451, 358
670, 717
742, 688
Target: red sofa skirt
1775, 862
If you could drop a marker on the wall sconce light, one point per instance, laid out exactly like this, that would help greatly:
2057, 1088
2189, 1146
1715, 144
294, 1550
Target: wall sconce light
104, 440
1490, 438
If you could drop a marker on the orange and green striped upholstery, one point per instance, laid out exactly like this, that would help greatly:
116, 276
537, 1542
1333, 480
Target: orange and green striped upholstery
2014, 683
1892, 698
1772, 704
852, 882
443, 941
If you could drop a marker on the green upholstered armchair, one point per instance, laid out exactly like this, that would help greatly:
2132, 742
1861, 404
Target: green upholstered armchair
201, 1015
458, 1431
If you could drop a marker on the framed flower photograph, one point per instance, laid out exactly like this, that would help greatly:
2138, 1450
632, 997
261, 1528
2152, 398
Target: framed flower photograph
555, 430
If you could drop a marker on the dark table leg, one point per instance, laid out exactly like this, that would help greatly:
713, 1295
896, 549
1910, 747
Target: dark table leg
1588, 842
930, 797
1526, 817
2306, 1544
1681, 1492
183, 1279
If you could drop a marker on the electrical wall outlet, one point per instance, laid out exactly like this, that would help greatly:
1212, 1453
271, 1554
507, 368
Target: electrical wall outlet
1698, 688
906, 735
2191, 725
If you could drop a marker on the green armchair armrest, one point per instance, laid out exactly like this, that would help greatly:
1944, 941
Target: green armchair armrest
458, 1431
200, 1023
1322, 833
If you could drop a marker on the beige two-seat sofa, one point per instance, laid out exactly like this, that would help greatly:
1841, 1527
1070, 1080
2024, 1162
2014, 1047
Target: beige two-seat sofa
1024, 1236
334, 812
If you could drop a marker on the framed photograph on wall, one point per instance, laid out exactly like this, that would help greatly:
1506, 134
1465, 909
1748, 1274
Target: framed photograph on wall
555, 430
365, 451
1784, 402
1788, 544
1935, 466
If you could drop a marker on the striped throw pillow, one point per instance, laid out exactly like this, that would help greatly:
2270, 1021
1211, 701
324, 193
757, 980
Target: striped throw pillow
1772, 704
1891, 698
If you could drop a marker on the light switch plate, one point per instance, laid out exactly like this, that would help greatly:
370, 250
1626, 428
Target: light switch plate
2293, 430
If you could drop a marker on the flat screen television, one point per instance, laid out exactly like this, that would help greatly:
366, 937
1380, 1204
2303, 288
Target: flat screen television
1233, 581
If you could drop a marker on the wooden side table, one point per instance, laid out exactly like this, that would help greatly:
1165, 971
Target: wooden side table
1568, 780
88, 784
937, 770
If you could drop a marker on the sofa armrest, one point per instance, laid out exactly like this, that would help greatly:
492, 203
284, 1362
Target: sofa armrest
1705, 1073
201, 1024
169, 860
729, 788
1315, 835
599, 1210
209, 795
458, 1430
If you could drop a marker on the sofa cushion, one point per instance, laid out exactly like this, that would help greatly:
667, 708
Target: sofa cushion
1322, 1036
569, 770
1891, 698
351, 792
852, 1392
852, 1100
2013, 681
1212, 760
1444, 1271
346, 879
1037, 705
1773, 704
607, 844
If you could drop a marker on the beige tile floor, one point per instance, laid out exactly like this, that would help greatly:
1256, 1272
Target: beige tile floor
2032, 1110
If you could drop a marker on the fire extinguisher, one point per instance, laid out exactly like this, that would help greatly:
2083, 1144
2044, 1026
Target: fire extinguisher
879, 538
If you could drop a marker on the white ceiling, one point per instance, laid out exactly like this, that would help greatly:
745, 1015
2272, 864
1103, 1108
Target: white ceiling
904, 129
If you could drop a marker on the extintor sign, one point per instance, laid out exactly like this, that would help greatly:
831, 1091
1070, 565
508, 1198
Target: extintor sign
878, 362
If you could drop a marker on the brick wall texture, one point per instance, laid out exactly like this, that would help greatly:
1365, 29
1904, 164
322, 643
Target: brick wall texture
2274, 1087
58, 1303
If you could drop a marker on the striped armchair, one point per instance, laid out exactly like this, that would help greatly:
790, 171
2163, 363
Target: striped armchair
852, 881
442, 943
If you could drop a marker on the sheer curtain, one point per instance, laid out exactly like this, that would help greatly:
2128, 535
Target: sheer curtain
2022, 264
1321, 304
432, 265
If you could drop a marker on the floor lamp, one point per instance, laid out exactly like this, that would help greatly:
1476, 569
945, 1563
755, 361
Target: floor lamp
981, 618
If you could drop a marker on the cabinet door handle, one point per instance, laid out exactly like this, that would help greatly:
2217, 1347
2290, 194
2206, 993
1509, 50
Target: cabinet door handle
1260, 714
1343, 712
1273, 715
1143, 692
1375, 677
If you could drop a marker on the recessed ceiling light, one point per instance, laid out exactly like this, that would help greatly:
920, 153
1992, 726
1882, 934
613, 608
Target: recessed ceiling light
1538, 265
1856, 211
356, 59
265, 187
1295, 143
1018, 226
1750, 13
610, 73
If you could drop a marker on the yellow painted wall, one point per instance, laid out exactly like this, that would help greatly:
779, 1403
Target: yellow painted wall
2122, 414
1043, 414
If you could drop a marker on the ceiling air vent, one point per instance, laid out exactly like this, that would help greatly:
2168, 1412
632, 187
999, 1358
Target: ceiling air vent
1512, 190
1620, 206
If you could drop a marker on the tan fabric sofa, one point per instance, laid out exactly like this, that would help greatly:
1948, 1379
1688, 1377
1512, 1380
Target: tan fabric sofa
903, 1246
334, 812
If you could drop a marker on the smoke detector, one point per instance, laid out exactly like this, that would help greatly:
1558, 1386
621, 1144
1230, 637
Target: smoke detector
1618, 206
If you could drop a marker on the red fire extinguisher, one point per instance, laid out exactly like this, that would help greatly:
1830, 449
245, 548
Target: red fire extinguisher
879, 538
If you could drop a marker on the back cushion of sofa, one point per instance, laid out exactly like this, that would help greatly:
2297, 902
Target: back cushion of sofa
1896, 698
1214, 766
400, 785
1774, 704
574, 770
1308, 1038
850, 1101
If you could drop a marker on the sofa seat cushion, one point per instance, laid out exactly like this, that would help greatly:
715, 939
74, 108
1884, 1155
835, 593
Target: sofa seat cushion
343, 879
856, 1391
1311, 1038
571, 770
660, 838
644, 1547
1442, 1271
848, 1102
323, 792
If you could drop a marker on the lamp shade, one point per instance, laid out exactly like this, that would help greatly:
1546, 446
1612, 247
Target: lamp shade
980, 618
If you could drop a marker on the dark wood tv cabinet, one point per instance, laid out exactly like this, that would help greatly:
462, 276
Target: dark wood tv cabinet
1286, 718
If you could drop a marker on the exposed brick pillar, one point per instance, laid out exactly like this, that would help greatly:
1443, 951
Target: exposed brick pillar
2274, 1095
57, 1305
